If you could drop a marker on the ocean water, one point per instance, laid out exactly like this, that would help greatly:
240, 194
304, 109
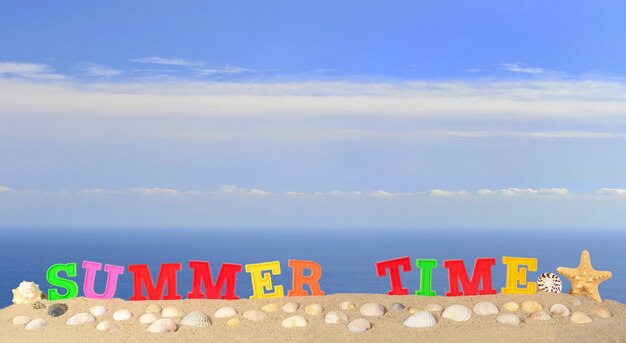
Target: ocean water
347, 256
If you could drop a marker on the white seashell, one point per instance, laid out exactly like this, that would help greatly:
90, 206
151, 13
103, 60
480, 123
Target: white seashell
396, 307
433, 308
108, 326
580, 318
457, 313
549, 283
372, 310
560, 310
485, 309
359, 325
97, 311
80, 319
152, 308
148, 318
601, 312
20, 320
531, 306
540, 315
335, 317
233, 322
511, 306
314, 309
254, 315
508, 319
294, 322
162, 326
36, 324
122, 315
171, 312
346, 305
572, 300
26, 293
422, 319
196, 319
224, 312
269, 308
291, 307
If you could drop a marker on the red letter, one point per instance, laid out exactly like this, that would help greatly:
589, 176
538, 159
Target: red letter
299, 280
457, 272
202, 272
167, 274
394, 273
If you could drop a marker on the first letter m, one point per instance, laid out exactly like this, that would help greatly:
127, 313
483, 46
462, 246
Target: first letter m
167, 275
457, 273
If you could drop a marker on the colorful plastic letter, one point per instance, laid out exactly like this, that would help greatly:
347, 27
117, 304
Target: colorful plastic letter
202, 273
53, 279
394, 266
262, 282
90, 279
516, 275
299, 280
167, 274
426, 277
457, 273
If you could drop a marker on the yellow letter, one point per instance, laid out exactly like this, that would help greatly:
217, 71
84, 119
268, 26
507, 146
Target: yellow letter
516, 275
262, 282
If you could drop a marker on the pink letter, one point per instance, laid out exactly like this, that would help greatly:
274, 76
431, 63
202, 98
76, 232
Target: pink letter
90, 279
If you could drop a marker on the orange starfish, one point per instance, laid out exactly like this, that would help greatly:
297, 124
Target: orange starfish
585, 279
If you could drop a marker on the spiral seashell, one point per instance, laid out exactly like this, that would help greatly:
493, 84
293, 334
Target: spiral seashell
294, 322
540, 315
457, 313
57, 310
224, 312
196, 319
335, 317
269, 308
122, 315
97, 311
254, 315
422, 319
20, 320
549, 283
579, 318
372, 310
359, 325
508, 319
531, 306
152, 308
601, 312
485, 309
233, 322
560, 310
433, 308
171, 312
36, 324
314, 309
511, 306
80, 319
291, 307
108, 326
148, 318
27, 293
396, 307
162, 326
346, 305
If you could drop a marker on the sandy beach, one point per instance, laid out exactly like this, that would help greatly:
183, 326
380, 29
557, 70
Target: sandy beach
386, 328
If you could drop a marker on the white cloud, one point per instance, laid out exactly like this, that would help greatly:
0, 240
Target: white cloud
446, 193
29, 71
4, 188
92, 69
294, 194
381, 194
230, 189
154, 190
342, 194
221, 70
521, 68
612, 191
168, 61
514, 191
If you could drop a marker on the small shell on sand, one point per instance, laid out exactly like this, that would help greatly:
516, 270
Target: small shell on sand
359, 325
396, 307
422, 319
233, 322
372, 310
572, 300
346, 305
152, 308
601, 312
36, 324
413, 310
108, 326
80, 319
291, 307
511, 306
162, 326
508, 319
485, 308
457, 313
269, 308
433, 308
122, 315
38, 305
254, 315
20, 320
531, 306
560, 310
97, 311
224, 312
57, 310
314, 309
540, 315
196, 319
294, 322
335, 317
148, 318
580, 318
171, 312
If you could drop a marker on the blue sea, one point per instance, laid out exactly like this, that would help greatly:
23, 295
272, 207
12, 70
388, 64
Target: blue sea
347, 256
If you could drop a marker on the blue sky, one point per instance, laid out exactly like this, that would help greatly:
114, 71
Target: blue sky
328, 114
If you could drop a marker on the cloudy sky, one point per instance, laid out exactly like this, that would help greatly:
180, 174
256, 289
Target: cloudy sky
333, 114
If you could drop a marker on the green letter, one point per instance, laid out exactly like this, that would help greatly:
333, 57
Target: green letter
55, 280
426, 277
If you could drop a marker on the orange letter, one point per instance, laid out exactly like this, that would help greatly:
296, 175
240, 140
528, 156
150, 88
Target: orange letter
299, 280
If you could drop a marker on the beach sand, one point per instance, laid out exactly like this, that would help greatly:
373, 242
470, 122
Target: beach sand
387, 328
